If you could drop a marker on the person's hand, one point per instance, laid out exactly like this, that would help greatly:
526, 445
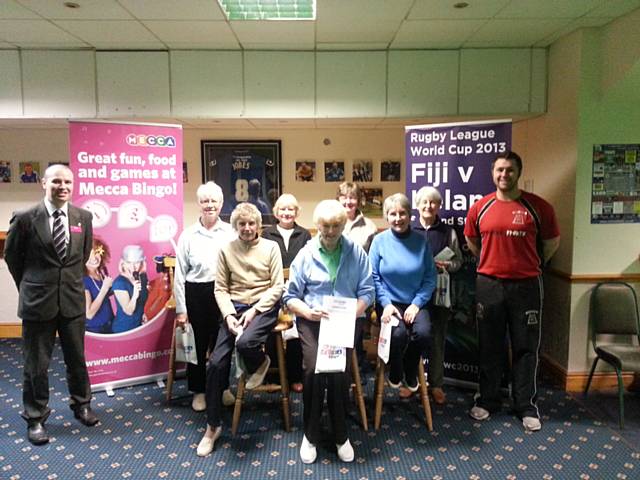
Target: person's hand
388, 312
443, 266
233, 324
315, 314
410, 314
106, 283
181, 320
247, 317
137, 287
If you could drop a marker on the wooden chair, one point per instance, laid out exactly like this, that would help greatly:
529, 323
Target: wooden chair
356, 388
379, 390
285, 321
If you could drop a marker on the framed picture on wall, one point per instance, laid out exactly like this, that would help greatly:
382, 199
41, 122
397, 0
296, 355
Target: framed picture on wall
247, 171
5, 172
390, 171
362, 171
306, 171
334, 171
29, 172
372, 199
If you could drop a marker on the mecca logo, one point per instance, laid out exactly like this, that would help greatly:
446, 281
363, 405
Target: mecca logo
518, 217
532, 317
140, 140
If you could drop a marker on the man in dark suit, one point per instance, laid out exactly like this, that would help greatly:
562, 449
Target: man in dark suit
46, 248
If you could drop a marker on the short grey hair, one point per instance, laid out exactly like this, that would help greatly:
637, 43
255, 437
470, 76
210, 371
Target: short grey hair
396, 199
245, 209
286, 199
430, 193
328, 210
210, 190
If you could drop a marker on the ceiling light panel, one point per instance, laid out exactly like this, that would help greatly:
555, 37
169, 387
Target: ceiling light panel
269, 9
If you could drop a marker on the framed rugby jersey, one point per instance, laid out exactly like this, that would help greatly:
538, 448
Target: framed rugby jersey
247, 171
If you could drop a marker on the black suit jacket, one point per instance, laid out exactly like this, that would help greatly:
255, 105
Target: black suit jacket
48, 287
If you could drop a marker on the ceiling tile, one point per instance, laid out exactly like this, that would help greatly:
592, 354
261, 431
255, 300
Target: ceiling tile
11, 9
359, 20
174, 10
89, 10
253, 34
112, 34
36, 34
179, 34
437, 9
507, 33
435, 33
548, 8
7, 46
614, 8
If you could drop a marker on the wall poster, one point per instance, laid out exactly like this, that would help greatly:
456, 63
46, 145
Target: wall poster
129, 176
615, 187
247, 171
456, 159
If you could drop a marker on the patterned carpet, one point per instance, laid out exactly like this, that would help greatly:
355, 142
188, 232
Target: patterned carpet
141, 437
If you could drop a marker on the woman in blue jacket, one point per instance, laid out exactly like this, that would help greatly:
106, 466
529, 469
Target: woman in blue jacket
405, 278
330, 264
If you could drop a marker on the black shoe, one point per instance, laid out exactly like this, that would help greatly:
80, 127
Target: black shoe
85, 415
37, 434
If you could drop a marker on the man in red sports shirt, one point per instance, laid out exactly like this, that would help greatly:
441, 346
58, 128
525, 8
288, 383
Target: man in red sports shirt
514, 233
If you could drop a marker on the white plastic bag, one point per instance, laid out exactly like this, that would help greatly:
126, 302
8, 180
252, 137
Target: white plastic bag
443, 290
186, 345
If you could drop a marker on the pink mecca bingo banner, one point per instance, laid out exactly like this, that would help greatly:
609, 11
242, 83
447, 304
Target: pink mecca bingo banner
456, 159
129, 176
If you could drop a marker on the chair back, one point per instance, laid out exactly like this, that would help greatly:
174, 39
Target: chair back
614, 309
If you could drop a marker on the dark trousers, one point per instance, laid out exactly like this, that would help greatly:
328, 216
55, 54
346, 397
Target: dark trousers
513, 307
408, 342
335, 384
204, 316
439, 319
249, 347
38, 339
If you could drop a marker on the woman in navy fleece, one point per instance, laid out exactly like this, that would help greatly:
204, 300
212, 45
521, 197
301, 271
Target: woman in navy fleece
405, 278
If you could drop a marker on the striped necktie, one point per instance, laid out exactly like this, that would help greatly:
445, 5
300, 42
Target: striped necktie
59, 235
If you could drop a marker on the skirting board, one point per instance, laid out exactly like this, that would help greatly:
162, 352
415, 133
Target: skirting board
575, 382
10, 330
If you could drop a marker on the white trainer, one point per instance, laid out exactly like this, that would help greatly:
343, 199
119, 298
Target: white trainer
205, 447
479, 413
256, 378
308, 451
345, 451
199, 402
531, 424
228, 398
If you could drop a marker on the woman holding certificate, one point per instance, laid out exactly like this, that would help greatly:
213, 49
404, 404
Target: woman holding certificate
445, 247
330, 265
405, 278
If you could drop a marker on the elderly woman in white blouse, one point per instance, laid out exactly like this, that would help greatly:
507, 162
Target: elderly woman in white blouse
196, 265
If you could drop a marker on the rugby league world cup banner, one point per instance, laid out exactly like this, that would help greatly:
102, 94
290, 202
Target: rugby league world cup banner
456, 159
129, 176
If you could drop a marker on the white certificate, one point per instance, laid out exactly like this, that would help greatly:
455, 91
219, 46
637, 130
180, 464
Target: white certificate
338, 329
